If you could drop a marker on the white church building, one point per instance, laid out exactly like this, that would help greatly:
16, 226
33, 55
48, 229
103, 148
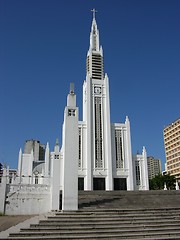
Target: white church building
95, 153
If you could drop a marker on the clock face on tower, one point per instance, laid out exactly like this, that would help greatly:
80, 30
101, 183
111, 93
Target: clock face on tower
97, 90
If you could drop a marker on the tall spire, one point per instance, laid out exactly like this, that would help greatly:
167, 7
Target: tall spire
57, 142
94, 61
94, 36
94, 12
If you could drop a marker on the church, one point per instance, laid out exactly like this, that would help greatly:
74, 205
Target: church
94, 151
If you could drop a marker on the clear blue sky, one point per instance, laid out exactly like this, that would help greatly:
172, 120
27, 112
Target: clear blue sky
43, 47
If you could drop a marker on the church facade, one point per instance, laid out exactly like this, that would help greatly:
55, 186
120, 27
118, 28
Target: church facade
94, 151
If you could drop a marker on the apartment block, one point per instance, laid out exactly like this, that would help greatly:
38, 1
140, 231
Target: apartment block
172, 148
154, 167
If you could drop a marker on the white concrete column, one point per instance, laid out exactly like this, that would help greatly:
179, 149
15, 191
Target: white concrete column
88, 180
130, 179
55, 182
20, 163
177, 185
145, 179
47, 155
70, 155
107, 137
30, 168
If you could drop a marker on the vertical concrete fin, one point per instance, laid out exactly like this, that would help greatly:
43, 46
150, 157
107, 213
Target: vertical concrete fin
47, 156
20, 163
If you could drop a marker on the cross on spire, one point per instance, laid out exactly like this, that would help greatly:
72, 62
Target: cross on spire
94, 12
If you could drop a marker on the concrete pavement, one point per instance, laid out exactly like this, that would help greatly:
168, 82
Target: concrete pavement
12, 224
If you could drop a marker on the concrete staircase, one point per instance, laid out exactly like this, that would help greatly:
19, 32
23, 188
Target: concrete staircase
113, 215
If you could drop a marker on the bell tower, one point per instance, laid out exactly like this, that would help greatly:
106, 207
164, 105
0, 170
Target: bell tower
96, 113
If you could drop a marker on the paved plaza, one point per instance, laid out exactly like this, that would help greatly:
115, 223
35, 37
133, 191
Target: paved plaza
12, 224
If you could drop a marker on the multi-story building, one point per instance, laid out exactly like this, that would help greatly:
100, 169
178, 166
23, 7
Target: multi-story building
37, 147
172, 148
154, 167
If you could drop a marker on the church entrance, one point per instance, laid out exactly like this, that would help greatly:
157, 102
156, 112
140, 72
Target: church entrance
98, 183
120, 184
80, 183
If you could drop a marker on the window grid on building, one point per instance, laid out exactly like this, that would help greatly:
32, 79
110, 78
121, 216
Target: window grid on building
172, 147
154, 167
98, 133
119, 149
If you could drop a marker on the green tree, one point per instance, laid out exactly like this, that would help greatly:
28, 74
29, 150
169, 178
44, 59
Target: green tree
170, 181
157, 183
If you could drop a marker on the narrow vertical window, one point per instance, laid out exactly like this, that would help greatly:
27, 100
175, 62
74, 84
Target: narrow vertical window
36, 179
98, 133
138, 178
119, 149
80, 152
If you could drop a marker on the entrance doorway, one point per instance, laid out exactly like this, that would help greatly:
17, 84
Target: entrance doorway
80, 183
120, 184
98, 183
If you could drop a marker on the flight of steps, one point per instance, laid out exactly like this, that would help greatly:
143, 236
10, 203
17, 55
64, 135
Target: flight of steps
113, 215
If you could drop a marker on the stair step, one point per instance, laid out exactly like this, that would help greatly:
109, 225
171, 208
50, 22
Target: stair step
99, 231
140, 218
112, 210
110, 224
128, 215
169, 221
104, 212
101, 226
129, 235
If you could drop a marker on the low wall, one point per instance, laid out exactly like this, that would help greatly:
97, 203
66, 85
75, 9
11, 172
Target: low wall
27, 199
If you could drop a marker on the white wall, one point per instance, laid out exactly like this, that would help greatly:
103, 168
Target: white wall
2, 194
27, 199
